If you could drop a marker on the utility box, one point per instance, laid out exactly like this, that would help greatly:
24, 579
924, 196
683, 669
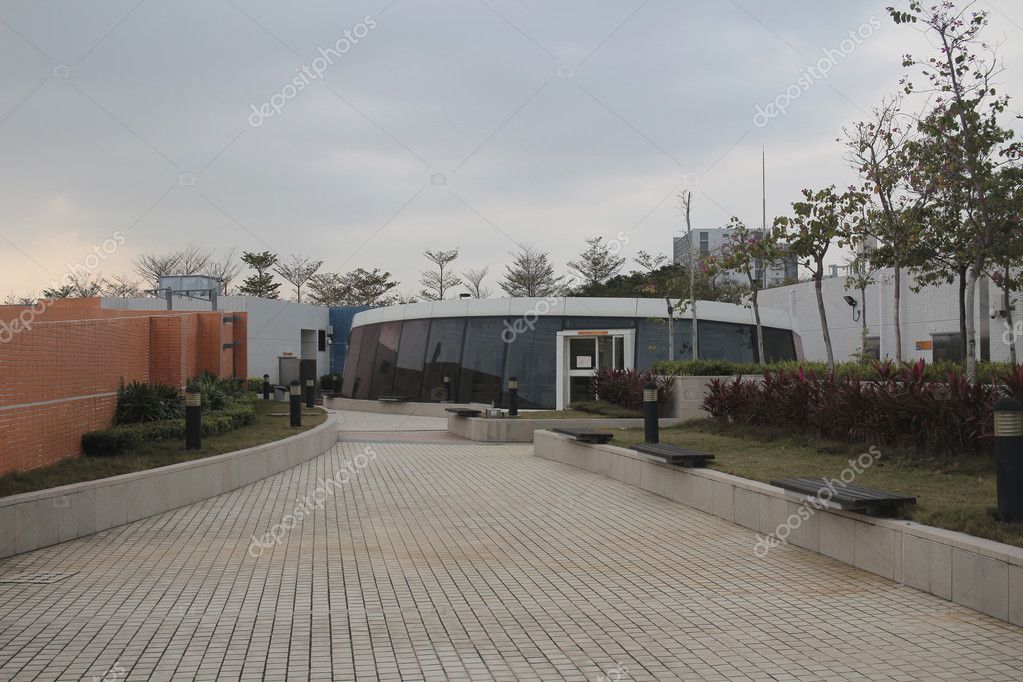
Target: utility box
288, 370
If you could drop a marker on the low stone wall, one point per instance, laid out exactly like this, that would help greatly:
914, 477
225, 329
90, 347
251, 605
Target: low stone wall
47, 517
980, 574
520, 430
410, 409
688, 395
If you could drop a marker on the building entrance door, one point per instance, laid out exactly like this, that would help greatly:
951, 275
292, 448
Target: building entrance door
582, 352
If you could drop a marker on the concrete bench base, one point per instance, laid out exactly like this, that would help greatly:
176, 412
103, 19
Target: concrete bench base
980, 574
48, 517
520, 429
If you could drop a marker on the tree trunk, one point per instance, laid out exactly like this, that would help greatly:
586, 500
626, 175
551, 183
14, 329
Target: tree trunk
897, 313
1010, 326
671, 329
962, 315
863, 319
818, 288
760, 329
971, 330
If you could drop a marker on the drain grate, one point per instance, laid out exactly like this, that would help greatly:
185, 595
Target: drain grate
34, 578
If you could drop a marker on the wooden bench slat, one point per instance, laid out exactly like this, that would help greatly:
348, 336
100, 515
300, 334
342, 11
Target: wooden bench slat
846, 496
674, 454
586, 435
463, 411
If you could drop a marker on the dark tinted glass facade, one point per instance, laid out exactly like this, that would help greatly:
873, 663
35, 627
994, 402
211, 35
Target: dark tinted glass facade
478, 354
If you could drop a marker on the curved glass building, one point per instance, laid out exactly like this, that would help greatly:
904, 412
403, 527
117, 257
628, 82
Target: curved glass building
464, 350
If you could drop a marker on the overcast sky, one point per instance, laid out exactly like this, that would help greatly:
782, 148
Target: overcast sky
471, 124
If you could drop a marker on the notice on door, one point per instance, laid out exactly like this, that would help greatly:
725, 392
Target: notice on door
584, 362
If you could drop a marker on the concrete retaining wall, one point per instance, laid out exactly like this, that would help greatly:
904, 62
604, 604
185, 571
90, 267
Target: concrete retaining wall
410, 409
521, 430
981, 574
47, 517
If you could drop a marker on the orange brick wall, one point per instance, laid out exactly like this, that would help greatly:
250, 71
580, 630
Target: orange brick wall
59, 373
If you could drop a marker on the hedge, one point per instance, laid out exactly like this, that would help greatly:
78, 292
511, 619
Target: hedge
987, 372
118, 439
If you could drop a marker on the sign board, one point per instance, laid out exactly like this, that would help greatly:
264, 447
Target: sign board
584, 362
925, 345
592, 333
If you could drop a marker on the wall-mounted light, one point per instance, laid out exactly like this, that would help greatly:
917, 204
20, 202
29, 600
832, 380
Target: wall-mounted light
855, 306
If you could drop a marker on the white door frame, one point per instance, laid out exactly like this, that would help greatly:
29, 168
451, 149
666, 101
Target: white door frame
562, 364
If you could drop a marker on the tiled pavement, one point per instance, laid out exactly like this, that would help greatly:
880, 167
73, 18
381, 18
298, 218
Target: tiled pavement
469, 561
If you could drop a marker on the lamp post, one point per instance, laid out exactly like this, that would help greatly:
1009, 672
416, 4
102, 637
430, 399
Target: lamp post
193, 419
650, 430
296, 403
310, 392
1009, 458
266, 387
513, 396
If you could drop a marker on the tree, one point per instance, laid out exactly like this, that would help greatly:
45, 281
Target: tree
437, 283
353, 289
961, 76
596, 264
224, 270
748, 251
77, 286
531, 275
820, 219
685, 198
861, 276
473, 280
877, 150
190, 260
1004, 271
297, 272
262, 283
122, 286
668, 285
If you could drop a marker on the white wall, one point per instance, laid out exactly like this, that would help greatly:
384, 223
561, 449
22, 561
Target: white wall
934, 310
275, 327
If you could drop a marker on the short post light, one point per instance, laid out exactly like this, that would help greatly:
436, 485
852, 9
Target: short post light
1009, 458
447, 389
266, 387
650, 430
310, 392
337, 384
296, 403
193, 419
513, 396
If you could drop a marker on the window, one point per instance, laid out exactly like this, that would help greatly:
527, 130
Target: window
408, 380
443, 359
599, 323
727, 341
384, 365
652, 341
778, 345
364, 370
704, 243
873, 349
947, 347
482, 361
532, 358
351, 362
321, 340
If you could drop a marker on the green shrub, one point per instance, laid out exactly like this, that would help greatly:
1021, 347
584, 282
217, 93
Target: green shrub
112, 441
118, 439
139, 401
216, 392
987, 372
254, 384
624, 387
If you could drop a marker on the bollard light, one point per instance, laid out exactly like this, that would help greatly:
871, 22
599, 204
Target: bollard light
337, 384
1009, 458
310, 392
193, 419
513, 396
296, 403
447, 389
650, 430
266, 387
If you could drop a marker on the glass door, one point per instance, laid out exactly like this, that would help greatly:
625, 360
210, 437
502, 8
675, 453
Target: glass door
587, 354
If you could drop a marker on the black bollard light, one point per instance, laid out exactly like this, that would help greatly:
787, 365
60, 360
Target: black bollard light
650, 430
447, 389
266, 387
310, 392
193, 419
296, 403
513, 396
1009, 458
337, 384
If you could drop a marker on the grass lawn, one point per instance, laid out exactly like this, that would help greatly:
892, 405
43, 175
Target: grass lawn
268, 427
589, 410
956, 495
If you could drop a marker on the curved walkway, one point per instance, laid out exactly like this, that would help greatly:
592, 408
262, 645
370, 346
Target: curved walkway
467, 561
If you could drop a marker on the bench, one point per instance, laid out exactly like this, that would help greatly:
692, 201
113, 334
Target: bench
674, 455
393, 399
463, 411
846, 496
587, 435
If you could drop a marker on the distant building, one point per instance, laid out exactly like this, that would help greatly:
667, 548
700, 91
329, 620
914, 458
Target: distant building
708, 242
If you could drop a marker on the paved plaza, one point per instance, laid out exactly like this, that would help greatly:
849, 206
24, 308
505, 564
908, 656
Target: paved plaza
466, 561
